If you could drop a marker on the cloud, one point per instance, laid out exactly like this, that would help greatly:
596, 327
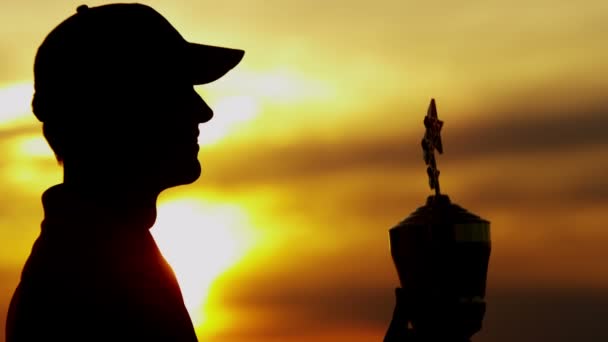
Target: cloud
529, 134
538, 315
512, 315
20, 130
313, 309
486, 139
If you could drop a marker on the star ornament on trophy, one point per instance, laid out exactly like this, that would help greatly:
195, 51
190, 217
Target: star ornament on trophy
441, 252
430, 143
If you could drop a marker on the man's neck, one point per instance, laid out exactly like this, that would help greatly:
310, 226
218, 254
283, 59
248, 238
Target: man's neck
123, 204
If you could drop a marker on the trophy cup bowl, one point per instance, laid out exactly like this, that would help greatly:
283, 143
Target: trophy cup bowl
441, 252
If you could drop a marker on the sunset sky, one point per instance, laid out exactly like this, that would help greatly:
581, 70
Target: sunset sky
314, 153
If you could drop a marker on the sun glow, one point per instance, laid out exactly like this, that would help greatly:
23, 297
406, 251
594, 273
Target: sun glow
32, 146
277, 85
15, 104
229, 112
200, 240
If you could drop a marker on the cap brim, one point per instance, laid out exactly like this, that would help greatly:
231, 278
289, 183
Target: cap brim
208, 63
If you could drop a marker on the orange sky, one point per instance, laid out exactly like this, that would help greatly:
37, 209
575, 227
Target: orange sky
313, 155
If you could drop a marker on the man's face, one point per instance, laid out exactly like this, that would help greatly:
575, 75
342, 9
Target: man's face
163, 138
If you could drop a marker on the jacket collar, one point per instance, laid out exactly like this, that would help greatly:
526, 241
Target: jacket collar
72, 209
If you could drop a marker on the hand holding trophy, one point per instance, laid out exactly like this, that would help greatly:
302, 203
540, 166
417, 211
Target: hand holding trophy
441, 252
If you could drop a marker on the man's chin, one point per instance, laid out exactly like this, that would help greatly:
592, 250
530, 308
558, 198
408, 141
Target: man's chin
192, 173
184, 175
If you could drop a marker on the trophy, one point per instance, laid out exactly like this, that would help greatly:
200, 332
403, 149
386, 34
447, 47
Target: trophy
441, 252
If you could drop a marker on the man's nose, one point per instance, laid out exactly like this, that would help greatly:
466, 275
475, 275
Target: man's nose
204, 113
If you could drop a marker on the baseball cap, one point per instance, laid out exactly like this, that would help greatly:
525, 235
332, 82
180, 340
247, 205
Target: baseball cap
119, 45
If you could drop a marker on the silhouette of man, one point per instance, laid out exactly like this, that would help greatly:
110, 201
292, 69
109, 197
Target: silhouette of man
114, 90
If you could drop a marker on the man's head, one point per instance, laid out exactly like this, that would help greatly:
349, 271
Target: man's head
114, 90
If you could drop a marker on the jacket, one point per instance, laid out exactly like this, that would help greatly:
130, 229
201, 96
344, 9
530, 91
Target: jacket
95, 274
